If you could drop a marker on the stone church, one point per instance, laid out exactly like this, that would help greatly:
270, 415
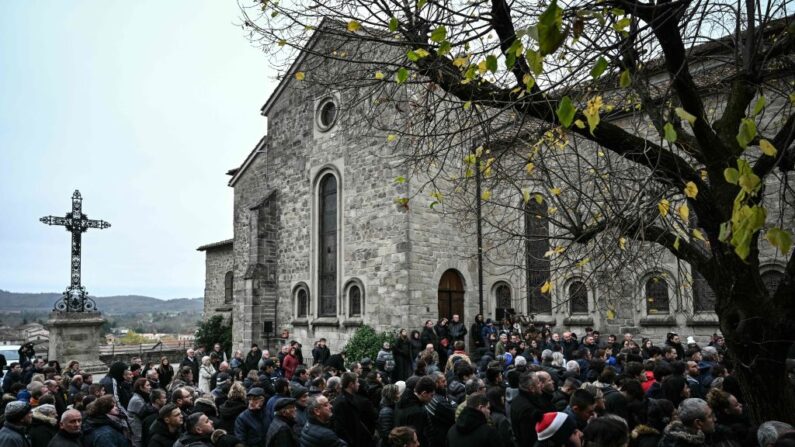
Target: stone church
320, 247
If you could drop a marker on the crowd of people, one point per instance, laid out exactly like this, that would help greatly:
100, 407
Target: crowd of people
512, 387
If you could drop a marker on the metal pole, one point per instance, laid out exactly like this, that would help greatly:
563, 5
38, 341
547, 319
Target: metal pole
480, 237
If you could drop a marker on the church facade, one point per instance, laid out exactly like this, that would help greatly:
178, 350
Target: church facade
321, 247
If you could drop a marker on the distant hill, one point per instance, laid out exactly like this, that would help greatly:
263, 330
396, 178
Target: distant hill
111, 305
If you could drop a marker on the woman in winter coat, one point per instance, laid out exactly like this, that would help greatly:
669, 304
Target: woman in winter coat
402, 354
429, 336
231, 409
44, 425
137, 409
165, 372
206, 371
416, 346
474, 333
289, 364
386, 415
104, 425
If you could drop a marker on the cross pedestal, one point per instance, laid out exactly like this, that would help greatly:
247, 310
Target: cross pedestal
77, 336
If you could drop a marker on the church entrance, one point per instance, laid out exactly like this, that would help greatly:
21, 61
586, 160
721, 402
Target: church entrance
451, 295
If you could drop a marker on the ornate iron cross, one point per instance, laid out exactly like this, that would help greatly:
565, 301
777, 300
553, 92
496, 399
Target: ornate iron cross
75, 298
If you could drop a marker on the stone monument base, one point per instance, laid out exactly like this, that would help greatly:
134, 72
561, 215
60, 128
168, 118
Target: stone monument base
77, 336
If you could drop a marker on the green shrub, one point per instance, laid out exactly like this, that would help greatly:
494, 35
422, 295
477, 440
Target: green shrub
214, 331
366, 342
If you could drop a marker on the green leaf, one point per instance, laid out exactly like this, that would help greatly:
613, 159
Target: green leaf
421, 52
402, 75
684, 115
510, 60
676, 244
625, 80
761, 102
536, 61
439, 34
421, 3
767, 148
747, 132
400, 180
491, 63
780, 239
622, 24
731, 175
413, 57
566, 111
725, 231
599, 67
670, 133
444, 48
393, 24
550, 22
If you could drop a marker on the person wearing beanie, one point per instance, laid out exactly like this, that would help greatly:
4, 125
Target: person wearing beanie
199, 432
301, 396
17, 419
167, 429
70, 434
555, 429
472, 427
43, 426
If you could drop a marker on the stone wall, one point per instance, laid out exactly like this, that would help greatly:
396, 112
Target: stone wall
218, 261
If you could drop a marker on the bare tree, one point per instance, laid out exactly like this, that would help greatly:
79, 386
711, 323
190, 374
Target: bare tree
634, 126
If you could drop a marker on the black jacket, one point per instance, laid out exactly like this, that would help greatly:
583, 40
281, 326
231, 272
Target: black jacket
229, 412
471, 430
402, 354
41, 432
194, 366
159, 436
386, 421
410, 412
64, 439
320, 355
351, 421
523, 407
316, 434
441, 416
281, 434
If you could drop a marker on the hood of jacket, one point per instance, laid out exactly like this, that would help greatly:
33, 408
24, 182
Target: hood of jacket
678, 432
470, 420
44, 419
231, 408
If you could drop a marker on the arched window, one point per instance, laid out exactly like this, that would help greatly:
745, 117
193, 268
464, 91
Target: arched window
578, 298
302, 303
771, 279
450, 295
502, 298
703, 296
657, 301
537, 265
355, 301
327, 261
229, 282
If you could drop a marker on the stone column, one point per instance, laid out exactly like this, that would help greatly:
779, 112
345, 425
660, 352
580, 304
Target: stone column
76, 336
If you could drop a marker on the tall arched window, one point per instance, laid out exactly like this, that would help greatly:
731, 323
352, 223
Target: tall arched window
355, 301
657, 301
502, 295
327, 262
302, 303
229, 282
772, 279
578, 298
537, 265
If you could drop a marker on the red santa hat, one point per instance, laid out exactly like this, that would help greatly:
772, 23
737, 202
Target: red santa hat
549, 424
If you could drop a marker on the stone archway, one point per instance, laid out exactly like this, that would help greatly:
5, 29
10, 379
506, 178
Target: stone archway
451, 295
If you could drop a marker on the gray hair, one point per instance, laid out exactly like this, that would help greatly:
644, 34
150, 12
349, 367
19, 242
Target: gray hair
528, 380
769, 432
572, 365
68, 413
333, 383
314, 403
557, 359
436, 375
692, 409
546, 354
473, 386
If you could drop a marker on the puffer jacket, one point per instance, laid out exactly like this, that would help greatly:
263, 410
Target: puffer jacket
280, 434
251, 427
316, 434
386, 421
229, 412
12, 435
471, 430
441, 416
42, 430
102, 431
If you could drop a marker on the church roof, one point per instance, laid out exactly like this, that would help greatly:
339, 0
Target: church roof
236, 173
215, 245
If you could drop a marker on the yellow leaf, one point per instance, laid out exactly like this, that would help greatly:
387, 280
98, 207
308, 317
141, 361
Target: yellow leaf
664, 206
767, 148
467, 105
704, 175
526, 196
379, 75
479, 151
684, 212
539, 199
600, 153
676, 247
546, 287
461, 61
299, 75
691, 190
583, 262
698, 234
622, 243
684, 115
552, 210
611, 314
579, 124
591, 112
282, 42
391, 137
354, 26
530, 167
486, 195
554, 191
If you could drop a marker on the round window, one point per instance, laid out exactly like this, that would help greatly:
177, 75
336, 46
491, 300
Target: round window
326, 114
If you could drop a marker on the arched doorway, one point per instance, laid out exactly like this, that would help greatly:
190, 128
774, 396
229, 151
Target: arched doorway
451, 295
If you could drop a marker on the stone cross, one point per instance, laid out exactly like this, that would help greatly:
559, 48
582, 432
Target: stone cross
75, 298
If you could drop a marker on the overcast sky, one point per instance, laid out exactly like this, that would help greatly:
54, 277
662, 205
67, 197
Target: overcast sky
143, 106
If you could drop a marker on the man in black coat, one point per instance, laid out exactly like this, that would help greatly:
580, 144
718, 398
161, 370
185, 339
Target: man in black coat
320, 353
252, 359
472, 428
316, 432
530, 401
354, 417
190, 360
69, 434
410, 409
280, 432
167, 428
441, 413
